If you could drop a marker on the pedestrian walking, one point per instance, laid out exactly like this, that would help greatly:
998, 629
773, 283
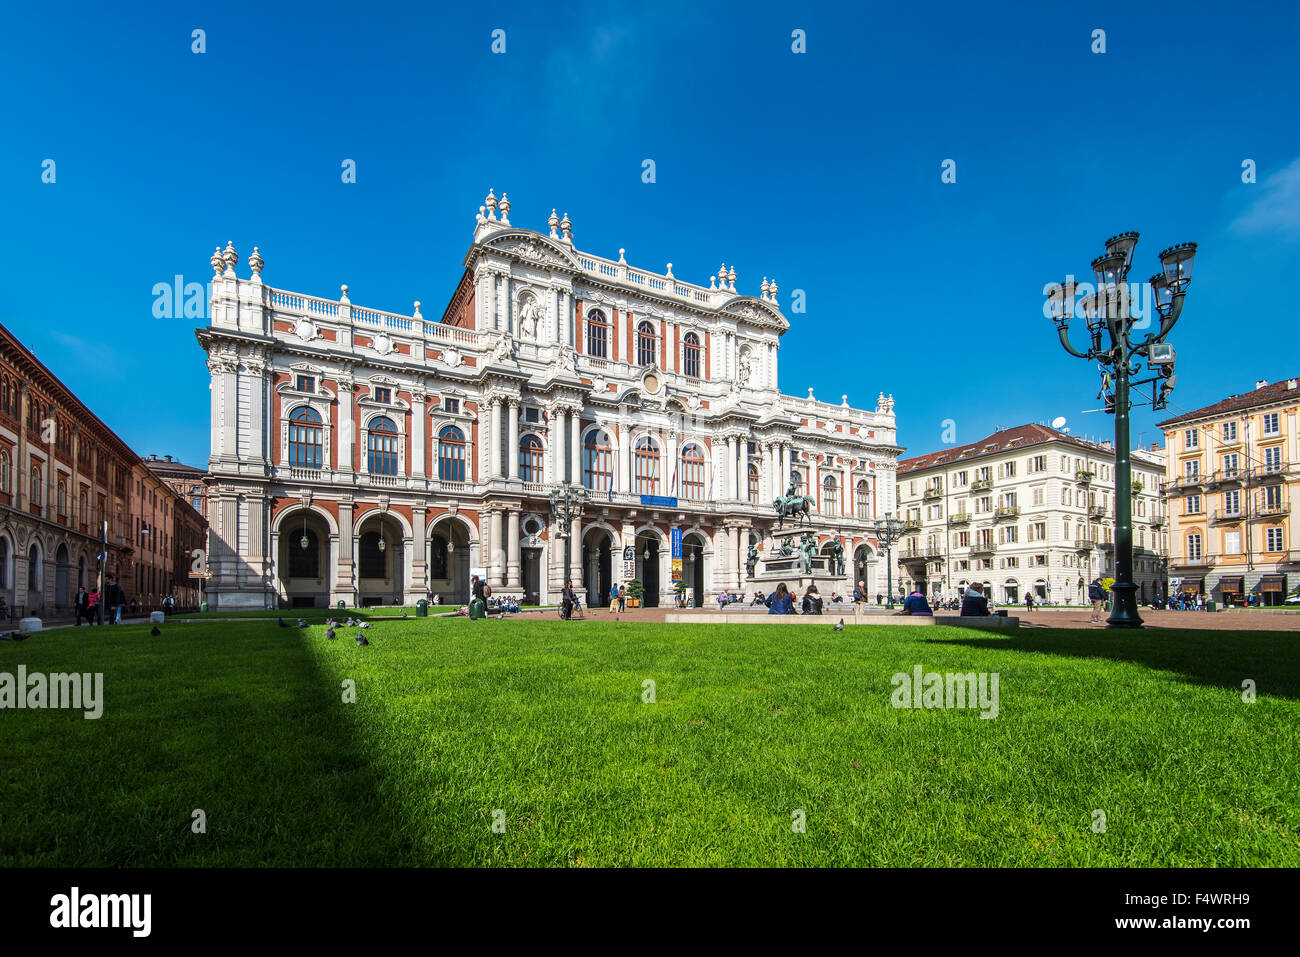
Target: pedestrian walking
1097, 595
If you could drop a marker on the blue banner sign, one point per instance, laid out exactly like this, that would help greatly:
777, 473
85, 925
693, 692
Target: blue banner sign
677, 543
662, 501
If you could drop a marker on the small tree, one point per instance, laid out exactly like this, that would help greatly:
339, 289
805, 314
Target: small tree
635, 589
1107, 583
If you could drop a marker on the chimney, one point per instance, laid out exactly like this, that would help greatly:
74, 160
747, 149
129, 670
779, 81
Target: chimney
1260, 383
1155, 447
1106, 445
169, 458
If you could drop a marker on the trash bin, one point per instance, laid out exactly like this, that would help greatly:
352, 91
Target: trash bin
340, 606
476, 609
1210, 606
203, 606
422, 609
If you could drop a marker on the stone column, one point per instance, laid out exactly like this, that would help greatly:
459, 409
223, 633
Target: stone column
672, 470
496, 567
575, 451
418, 443
494, 438
344, 589
345, 436
729, 477
722, 556
575, 552
512, 550
848, 500
512, 446
418, 585
624, 483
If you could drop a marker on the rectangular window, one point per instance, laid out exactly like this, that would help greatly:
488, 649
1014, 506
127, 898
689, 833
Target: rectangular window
1193, 505
1273, 458
1274, 539
1191, 439
532, 414
453, 405
1272, 426
1192, 469
1038, 495
1232, 502
1230, 431
1038, 463
1232, 543
1230, 465
384, 395
306, 383
1194, 547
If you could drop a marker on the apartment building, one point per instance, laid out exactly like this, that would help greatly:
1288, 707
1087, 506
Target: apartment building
1026, 509
1232, 475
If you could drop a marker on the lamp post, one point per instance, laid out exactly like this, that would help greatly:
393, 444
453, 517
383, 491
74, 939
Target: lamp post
887, 531
1106, 311
566, 506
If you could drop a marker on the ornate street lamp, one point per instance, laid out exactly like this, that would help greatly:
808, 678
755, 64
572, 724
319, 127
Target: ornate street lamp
887, 531
566, 506
1110, 344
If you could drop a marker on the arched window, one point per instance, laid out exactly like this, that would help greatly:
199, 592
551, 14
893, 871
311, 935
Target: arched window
647, 466
597, 334
6, 396
371, 559
4, 471
691, 355
305, 438
303, 562
83, 507
63, 499
753, 485
36, 485
381, 444
451, 454
692, 472
796, 479
597, 462
830, 496
34, 569
645, 344
864, 499
4, 562
530, 459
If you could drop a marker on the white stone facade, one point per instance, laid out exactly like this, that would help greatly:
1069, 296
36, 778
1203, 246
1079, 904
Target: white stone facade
407, 452
1024, 509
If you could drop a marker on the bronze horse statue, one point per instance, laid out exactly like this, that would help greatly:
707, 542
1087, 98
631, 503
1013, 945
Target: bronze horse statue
793, 505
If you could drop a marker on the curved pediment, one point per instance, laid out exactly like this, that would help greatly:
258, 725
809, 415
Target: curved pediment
754, 310
532, 248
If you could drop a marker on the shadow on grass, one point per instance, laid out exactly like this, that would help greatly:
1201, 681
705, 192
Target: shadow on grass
241, 723
1220, 658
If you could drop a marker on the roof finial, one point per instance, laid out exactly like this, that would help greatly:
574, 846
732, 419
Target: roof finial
505, 210
491, 204
256, 262
231, 259
566, 229
764, 288
553, 222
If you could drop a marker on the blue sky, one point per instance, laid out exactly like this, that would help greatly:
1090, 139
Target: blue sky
820, 169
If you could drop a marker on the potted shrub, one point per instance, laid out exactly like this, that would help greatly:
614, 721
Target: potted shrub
679, 589
634, 592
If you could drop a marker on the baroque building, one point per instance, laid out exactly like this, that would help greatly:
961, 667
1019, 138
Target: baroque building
373, 458
1026, 509
1233, 474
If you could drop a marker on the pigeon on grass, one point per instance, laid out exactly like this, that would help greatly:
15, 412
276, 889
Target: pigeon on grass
361, 639
840, 626
155, 632
329, 633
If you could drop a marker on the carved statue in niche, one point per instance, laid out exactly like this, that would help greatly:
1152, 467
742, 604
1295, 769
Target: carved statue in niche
528, 318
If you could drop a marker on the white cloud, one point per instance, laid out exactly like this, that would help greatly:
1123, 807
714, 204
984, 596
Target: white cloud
1277, 208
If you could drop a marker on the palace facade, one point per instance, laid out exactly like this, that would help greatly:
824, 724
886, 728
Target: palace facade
373, 458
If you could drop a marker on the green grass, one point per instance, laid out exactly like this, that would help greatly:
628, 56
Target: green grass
545, 720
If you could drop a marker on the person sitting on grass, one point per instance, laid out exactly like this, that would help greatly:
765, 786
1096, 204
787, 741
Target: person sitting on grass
915, 604
973, 603
780, 602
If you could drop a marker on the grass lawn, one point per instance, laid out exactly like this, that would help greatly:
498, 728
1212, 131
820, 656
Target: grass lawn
545, 721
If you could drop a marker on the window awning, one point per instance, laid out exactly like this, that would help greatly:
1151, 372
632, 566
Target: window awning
1231, 583
1272, 583
1193, 586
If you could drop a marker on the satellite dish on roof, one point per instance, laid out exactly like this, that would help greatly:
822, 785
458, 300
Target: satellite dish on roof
1059, 423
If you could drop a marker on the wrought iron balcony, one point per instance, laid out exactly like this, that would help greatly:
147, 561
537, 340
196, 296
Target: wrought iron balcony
1272, 472
959, 518
1096, 511
1084, 477
911, 524
1267, 512
933, 492
1157, 521
1006, 511
1205, 561
1227, 515
983, 548
981, 484
1084, 544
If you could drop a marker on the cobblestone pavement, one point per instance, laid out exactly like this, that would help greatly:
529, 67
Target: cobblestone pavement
1233, 620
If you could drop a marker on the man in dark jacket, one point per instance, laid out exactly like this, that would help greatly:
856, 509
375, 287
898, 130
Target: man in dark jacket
116, 599
1096, 595
83, 605
973, 603
568, 598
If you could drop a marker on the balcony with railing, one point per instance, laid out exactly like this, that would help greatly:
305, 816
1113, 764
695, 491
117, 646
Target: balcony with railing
959, 518
932, 492
1096, 511
1270, 512
1183, 483
1220, 515
983, 548
911, 524
1202, 561
1271, 471
1084, 544
1084, 477
1225, 477
1006, 511
979, 484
